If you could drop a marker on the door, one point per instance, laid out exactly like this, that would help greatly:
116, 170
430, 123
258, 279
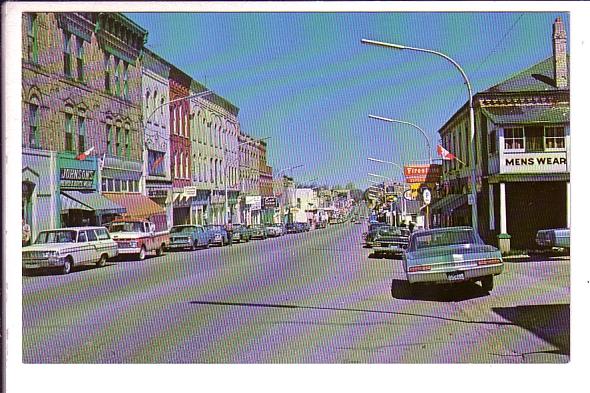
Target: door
85, 250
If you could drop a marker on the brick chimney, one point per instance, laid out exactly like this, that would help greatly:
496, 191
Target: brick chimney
560, 71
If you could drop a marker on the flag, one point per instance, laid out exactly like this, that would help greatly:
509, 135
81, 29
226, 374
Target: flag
444, 153
156, 162
82, 156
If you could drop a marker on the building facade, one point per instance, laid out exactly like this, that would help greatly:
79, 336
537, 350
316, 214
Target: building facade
522, 155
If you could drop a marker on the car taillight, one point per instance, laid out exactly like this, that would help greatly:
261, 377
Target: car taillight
419, 268
484, 262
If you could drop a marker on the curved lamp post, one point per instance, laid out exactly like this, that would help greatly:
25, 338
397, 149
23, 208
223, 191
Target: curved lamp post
474, 222
428, 145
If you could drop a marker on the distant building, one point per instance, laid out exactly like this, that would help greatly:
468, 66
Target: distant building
523, 154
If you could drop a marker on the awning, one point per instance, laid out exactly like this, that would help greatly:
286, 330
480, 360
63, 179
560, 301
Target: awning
137, 205
449, 203
528, 114
90, 201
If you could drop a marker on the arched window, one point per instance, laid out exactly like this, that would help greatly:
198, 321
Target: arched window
175, 165
32, 38
182, 165
147, 106
211, 170
34, 133
187, 167
81, 131
154, 106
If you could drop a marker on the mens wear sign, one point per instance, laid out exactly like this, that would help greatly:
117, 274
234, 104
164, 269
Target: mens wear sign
534, 163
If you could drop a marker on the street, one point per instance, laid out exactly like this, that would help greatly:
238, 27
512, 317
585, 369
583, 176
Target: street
313, 297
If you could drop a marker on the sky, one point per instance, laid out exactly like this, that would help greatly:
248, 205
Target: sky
306, 81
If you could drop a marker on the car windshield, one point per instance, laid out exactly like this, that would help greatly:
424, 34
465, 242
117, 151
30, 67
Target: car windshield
422, 240
215, 227
393, 231
184, 229
126, 227
56, 237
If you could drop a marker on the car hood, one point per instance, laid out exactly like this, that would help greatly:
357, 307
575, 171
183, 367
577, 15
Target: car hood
51, 247
449, 251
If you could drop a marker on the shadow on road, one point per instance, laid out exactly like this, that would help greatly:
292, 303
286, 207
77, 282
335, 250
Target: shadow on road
400, 289
294, 306
550, 322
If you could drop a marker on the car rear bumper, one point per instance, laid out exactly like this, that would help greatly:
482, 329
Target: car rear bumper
442, 276
389, 250
127, 251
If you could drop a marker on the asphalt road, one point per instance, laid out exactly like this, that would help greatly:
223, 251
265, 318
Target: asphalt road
314, 297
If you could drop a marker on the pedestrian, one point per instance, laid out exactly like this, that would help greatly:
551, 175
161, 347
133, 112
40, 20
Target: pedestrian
411, 226
26, 233
229, 228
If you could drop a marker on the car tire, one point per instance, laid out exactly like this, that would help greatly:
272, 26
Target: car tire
67, 267
141, 255
487, 283
102, 261
160, 251
194, 245
208, 244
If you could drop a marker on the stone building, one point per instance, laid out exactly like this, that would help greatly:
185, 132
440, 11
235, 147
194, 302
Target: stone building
81, 85
522, 154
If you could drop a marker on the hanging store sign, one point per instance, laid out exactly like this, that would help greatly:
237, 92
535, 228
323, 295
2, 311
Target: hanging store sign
157, 193
76, 178
423, 173
534, 163
270, 202
190, 191
255, 202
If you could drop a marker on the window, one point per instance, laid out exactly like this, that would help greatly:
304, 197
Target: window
186, 167
173, 119
80, 58
32, 40
67, 54
34, 126
109, 132
175, 165
119, 141
102, 234
513, 138
211, 170
127, 143
125, 80
154, 107
117, 185
107, 72
554, 138
91, 235
103, 185
181, 165
117, 79
69, 132
534, 139
110, 184
124, 185
492, 146
82, 237
81, 134
147, 107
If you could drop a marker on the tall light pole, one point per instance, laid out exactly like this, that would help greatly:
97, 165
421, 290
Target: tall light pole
474, 220
228, 164
428, 145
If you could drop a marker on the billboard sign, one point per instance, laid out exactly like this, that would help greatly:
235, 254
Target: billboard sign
423, 173
255, 202
270, 202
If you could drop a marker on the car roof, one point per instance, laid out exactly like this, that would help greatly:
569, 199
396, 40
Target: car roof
116, 220
445, 229
73, 228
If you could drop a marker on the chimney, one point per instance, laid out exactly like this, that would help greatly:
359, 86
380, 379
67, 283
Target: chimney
560, 71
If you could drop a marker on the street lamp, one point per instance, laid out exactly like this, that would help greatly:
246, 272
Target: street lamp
428, 145
228, 165
474, 222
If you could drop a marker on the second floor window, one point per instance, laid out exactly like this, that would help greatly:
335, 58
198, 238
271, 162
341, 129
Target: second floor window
107, 72
554, 138
32, 39
81, 134
127, 143
119, 138
80, 59
109, 131
117, 80
514, 138
125, 80
34, 126
69, 132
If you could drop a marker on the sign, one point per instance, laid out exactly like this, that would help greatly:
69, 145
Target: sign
76, 178
269, 202
426, 196
157, 193
409, 195
255, 202
534, 163
423, 173
190, 191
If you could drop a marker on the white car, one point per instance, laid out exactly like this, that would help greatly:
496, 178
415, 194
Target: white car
68, 247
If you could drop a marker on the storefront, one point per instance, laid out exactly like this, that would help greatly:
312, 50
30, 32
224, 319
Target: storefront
199, 204
252, 209
161, 194
181, 205
141, 207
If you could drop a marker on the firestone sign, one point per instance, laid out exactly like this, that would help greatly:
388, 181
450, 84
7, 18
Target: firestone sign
423, 173
534, 163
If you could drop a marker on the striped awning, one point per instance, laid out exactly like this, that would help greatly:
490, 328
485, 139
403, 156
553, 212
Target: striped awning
68, 203
91, 201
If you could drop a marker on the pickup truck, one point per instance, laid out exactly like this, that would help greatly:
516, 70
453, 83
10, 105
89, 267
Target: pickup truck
137, 237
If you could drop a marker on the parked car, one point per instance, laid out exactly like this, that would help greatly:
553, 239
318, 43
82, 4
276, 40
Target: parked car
553, 238
451, 255
241, 233
321, 224
390, 241
69, 247
369, 236
275, 230
189, 236
137, 237
290, 228
258, 231
218, 234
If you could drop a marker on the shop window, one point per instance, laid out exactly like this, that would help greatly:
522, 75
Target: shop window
107, 71
69, 132
32, 38
67, 55
534, 139
81, 134
514, 138
554, 137
80, 58
34, 126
